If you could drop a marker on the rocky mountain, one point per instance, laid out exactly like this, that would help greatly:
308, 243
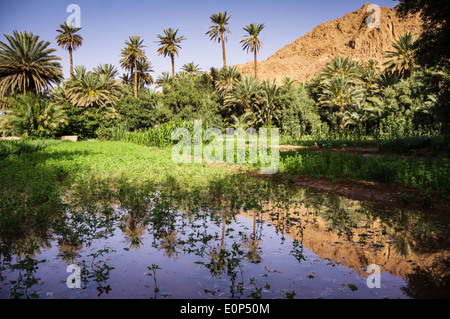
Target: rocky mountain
356, 35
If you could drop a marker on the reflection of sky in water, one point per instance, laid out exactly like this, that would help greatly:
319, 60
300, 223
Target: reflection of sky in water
185, 275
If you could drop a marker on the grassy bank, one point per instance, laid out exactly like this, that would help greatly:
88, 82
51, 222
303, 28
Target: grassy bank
428, 173
121, 160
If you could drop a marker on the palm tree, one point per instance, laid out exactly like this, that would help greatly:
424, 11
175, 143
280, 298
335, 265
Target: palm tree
59, 94
342, 66
244, 121
131, 56
125, 78
108, 69
191, 68
163, 79
403, 59
88, 89
218, 31
226, 79
27, 64
33, 115
144, 69
252, 43
268, 109
245, 95
339, 93
169, 46
69, 40
288, 82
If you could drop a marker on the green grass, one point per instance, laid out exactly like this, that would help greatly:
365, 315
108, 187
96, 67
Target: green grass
429, 173
23, 146
108, 161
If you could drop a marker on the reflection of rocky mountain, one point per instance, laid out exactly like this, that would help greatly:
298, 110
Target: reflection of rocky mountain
347, 36
346, 232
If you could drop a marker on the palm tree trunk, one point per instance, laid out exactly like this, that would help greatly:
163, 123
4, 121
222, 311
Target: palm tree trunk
173, 67
256, 66
341, 117
71, 63
223, 53
223, 232
135, 79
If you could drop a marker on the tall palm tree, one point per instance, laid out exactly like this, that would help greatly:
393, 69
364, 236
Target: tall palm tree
69, 40
169, 46
27, 64
403, 58
252, 43
218, 31
144, 69
132, 54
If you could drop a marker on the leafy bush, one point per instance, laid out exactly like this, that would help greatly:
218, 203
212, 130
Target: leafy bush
85, 122
140, 113
300, 115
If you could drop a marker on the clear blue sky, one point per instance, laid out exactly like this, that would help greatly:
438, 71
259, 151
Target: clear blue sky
107, 24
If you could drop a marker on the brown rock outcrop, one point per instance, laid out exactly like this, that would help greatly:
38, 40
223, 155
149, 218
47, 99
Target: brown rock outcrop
348, 36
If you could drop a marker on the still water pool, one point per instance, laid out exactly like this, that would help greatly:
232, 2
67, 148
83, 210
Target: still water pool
307, 245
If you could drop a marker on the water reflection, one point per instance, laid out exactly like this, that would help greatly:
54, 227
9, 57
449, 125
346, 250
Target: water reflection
232, 241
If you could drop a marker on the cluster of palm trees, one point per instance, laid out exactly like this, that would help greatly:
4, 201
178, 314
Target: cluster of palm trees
133, 58
343, 87
353, 91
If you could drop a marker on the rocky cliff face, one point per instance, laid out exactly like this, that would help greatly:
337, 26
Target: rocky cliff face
349, 36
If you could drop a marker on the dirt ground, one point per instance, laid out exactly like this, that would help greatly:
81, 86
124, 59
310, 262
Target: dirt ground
391, 195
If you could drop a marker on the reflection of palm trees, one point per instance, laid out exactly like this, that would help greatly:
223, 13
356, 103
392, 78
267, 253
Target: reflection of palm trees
252, 243
217, 260
169, 244
134, 229
31, 245
69, 251
341, 222
218, 253
403, 241
402, 234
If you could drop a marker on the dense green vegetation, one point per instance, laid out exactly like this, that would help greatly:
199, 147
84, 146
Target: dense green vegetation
347, 100
396, 107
